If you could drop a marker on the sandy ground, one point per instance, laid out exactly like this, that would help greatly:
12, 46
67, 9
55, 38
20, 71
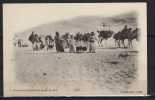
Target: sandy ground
101, 70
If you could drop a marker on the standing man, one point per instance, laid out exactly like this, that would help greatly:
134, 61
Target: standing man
58, 43
71, 44
92, 43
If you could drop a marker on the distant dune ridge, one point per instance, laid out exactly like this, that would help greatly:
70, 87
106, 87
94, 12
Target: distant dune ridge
83, 24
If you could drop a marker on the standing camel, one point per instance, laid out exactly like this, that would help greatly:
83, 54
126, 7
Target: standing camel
128, 34
131, 36
121, 36
103, 35
117, 39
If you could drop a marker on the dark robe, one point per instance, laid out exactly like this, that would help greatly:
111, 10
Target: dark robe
92, 44
58, 44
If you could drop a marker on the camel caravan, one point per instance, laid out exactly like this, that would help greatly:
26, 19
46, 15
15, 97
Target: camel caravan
126, 33
83, 42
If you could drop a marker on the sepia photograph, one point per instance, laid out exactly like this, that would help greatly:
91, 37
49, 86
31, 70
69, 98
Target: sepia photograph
75, 49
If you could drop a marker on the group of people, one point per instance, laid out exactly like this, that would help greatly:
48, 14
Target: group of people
80, 42
75, 45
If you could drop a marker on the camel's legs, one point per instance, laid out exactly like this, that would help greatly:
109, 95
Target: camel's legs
123, 43
119, 45
115, 43
131, 44
101, 42
33, 46
128, 43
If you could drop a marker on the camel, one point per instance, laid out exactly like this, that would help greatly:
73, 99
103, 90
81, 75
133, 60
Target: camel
117, 39
133, 35
103, 35
128, 34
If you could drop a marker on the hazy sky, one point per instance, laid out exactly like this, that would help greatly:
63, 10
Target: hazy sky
19, 17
